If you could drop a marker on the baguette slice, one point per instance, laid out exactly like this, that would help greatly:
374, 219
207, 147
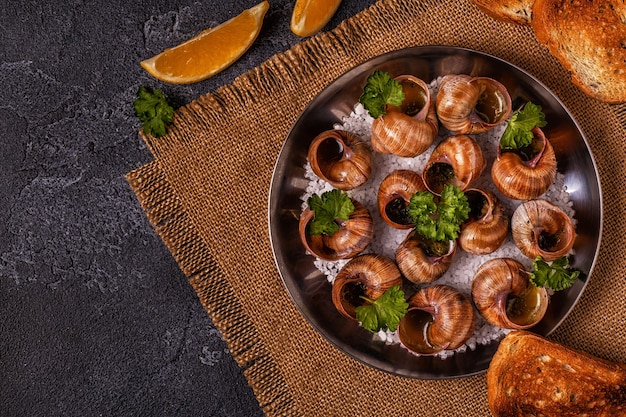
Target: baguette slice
511, 11
588, 37
532, 376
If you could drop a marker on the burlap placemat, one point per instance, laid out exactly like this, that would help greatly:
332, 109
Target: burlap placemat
206, 195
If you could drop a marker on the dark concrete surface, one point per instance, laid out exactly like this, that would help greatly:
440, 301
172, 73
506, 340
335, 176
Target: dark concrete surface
96, 319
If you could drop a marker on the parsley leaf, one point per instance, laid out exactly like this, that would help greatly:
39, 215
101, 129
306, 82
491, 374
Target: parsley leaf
153, 111
555, 275
330, 207
439, 220
379, 91
518, 131
383, 313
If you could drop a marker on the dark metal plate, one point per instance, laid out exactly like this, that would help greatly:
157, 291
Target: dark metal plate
310, 289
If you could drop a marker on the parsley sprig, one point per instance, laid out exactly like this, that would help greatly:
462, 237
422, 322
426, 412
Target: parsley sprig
330, 209
518, 133
439, 220
379, 91
555, 275
383, 313
153, 111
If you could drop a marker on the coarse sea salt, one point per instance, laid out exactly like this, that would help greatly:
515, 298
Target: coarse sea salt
386, 239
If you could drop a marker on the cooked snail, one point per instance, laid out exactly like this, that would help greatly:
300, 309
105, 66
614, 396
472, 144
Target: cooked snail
457, 160
353, 236
367, 275
439, 318
540, 228
505, 297
528, 173
487, 226
341, 158
469, 105
422, 260
410, 129
394, 194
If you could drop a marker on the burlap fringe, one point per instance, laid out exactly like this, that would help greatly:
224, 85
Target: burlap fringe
168, 217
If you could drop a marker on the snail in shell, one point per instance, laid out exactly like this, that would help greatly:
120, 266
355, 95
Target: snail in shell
439, 317
457, 160
338, 238
368, 275
422, 260
527, 173
469, 105
341, 158
409, 129
394, 194
541, 228
427, 251
487, 226
505, 297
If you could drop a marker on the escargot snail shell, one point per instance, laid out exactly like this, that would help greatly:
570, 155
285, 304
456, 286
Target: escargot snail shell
504, 296
439, 317
417, 262
353, 236
410, 129
540, 228
369, 275
469, 105
341, 158
394, 194
457, 160
524, 179
487, 226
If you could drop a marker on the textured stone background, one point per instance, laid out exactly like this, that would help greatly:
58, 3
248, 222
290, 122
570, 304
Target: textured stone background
95, 316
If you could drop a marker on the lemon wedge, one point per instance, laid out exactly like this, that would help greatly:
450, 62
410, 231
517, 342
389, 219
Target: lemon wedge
310, 16
209, 52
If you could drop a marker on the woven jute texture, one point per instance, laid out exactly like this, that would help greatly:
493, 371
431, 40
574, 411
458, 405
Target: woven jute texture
206, 194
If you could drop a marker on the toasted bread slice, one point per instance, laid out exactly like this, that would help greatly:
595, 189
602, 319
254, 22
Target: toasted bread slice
511, 11
619, 8
589, 39
532, 376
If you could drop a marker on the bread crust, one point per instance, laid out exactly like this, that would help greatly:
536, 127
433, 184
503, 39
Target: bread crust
588, 37
532, 376
512, 11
